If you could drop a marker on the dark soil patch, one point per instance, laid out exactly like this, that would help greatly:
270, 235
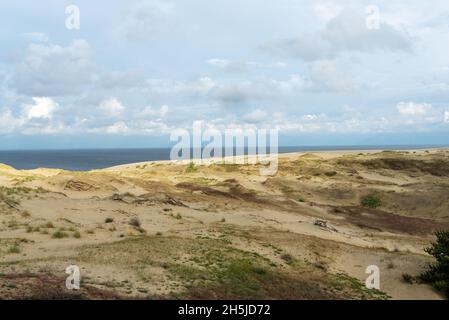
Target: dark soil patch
385, 221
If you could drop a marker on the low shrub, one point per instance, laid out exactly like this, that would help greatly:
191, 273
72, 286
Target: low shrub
371, 201
59, 234
135, 222
407, 278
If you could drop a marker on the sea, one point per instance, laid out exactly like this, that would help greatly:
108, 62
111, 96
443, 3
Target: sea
90, 159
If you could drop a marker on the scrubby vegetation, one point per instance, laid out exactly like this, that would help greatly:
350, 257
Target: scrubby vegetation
407, 278
14, 249
213, 269
437, 167
135, 222
371, 201
59, 234
437, 274
191, 168
77, 235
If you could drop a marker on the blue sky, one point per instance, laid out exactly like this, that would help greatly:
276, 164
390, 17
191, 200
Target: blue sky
137, 70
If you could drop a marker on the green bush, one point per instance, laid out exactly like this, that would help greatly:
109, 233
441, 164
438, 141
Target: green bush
437, 274
59, 234
371, 201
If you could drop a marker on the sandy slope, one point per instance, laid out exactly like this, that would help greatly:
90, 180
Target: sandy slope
221, 230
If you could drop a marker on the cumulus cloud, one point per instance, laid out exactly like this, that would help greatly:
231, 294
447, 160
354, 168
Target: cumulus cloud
53, 70
112, 107
209, 69
346, 32
42, 107
44, 117
150, 112
118, 127
34, 118
413, 109
8, 123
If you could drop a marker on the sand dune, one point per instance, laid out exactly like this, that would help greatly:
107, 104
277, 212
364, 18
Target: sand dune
175, 230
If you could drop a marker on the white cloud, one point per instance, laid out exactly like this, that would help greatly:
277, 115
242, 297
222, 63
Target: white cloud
337, 55
313, 117
36, 118
43, 108
151, 112
8, 122
112, 107
164, 110
413, 109
118, 127
53, 70
446, 116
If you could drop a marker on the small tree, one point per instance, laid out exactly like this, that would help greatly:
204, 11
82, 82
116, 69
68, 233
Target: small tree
437, 274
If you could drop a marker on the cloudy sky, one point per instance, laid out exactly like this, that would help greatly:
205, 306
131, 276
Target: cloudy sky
322, 72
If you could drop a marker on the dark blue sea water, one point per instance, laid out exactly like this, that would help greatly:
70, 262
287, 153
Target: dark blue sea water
89, 159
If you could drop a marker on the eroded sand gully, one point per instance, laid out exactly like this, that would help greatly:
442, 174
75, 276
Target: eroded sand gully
164, 230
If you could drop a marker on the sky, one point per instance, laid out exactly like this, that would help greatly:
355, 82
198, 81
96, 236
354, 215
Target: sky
321, 72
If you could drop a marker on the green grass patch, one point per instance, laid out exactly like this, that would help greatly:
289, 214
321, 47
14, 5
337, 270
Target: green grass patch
371, 201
